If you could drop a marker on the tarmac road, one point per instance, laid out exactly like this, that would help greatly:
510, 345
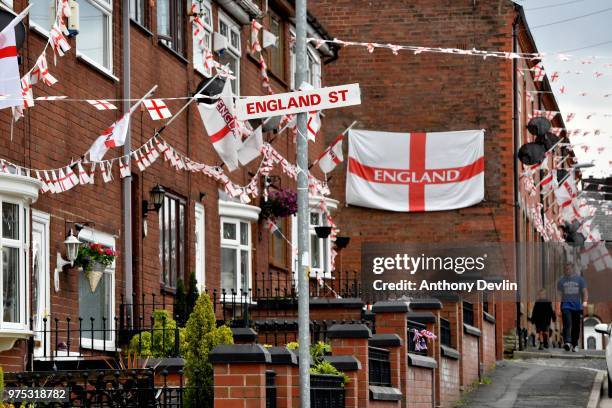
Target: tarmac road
537, 383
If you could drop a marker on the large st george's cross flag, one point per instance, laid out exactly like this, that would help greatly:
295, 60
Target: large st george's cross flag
411, 172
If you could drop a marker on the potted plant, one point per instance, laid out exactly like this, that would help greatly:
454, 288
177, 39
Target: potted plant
281, 203
94, 259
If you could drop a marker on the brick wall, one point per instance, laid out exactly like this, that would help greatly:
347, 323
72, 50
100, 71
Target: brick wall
420, 391
449, 381
469, 357
425, 93
488, 342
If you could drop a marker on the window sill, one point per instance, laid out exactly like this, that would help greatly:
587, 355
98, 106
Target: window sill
8, 337
99, 345
141, 28
173, 52
166, 290
100, 69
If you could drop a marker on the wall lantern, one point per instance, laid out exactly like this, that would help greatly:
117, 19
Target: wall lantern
72, 249
323, 232
157, 200
342, 242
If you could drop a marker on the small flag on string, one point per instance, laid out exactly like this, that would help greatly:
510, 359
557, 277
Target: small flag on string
83, 175
124, 167
92, 173
538, 72
50, 98
26, 92
45, 187
101, 104
313, 125
9, 67
41, 72
157, 109
251, 147
117, 132
269, 39
107, 174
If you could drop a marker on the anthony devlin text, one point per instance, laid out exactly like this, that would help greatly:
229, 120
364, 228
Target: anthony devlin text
444, 285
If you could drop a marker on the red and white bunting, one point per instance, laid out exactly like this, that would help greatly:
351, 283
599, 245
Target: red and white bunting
92, 172
107, 173
157, 109
138, 159
50, 98
101, 104
40, 72
538, 72
83, 175
255, 29
124, 167
59, 43
26, 92
313, 125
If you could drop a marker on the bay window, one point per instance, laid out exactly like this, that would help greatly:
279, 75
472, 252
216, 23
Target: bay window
16, 194
204, 12
231, 56
171, 24
172, 240
94, 42
236, 245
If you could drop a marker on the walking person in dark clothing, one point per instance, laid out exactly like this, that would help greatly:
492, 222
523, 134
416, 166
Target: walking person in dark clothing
541, 316
574, 298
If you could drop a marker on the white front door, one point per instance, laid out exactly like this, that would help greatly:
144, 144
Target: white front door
40, 281
200, 233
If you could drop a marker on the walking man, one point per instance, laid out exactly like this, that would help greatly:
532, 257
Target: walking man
574, 298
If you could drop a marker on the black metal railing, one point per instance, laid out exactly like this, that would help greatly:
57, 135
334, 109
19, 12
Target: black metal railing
445, 333
468, 313
131, 388
326, 391
68, 338
412, 327
379, 366
270, 389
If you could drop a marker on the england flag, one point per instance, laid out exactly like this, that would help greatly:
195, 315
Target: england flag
10, 81
411, 172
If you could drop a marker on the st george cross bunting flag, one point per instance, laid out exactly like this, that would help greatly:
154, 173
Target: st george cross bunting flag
411, 172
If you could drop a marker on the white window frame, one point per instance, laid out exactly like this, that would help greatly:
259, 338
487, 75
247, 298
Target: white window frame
234, 52
89, 235
235, 244
106, 7
22, 245
325, 271
208, 25
41, 222
200, 246
235, 212
314, 65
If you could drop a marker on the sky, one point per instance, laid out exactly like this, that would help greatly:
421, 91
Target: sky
582, 29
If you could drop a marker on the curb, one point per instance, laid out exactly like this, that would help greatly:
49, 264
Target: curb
596, 390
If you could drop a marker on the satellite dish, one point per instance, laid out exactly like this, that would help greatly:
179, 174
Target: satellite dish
548, 140
212, 89
531, 153
20, 30
539, 126
271, 124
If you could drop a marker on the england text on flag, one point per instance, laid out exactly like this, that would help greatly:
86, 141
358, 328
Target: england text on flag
10, 82
218, 118
332, 156
157, 108
415, 171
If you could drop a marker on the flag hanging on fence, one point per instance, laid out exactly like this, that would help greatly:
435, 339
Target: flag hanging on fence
411, 172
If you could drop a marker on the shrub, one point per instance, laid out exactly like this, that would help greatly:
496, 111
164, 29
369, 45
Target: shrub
180, 303
202, 336
324, 367
162, 342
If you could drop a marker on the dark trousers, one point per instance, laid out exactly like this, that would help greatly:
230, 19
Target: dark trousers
571, 325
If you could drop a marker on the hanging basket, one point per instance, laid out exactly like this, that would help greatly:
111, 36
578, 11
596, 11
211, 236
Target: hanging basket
94, 276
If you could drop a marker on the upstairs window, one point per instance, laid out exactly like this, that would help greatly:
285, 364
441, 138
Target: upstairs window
171, 24
205, 14
172, 240
138, 11
276, 53
313, 69
231, 56
13, 262
94, 42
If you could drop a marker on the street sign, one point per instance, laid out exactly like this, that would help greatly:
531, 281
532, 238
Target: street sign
254, 107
